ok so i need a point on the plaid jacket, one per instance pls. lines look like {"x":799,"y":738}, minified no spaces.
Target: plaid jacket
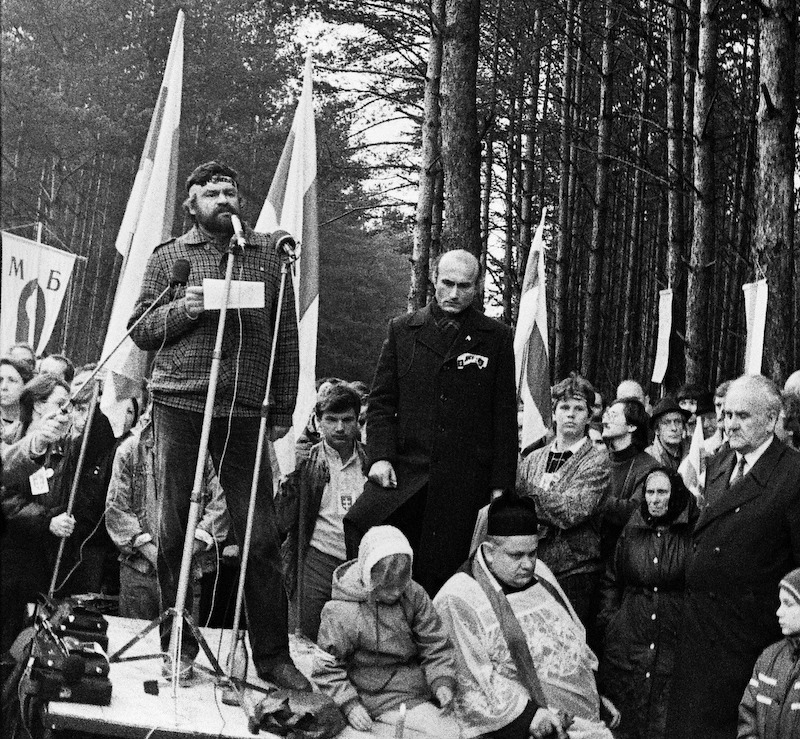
{"x":184,"y":347}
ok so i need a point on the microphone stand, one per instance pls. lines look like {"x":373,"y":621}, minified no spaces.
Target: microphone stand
{"x":288,"y":256}
{"x":89,"y":419}
{"x":179,"y":611}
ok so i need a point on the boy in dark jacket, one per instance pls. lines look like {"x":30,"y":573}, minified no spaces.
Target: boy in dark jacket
{"x":386,"y":643}
{"x":770,"y":707}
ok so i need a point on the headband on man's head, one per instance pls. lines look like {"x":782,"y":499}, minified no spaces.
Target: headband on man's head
{"x":512,"y":515}
{"x":213,"y":172}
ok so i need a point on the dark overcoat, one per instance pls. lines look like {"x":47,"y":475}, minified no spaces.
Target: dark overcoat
{"x":445,"y":416}
{"x":642,"y":609}
{"x":746,"y":539}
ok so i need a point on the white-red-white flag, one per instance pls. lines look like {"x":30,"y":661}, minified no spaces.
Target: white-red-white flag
{"x":147,"y":222}
{"x":693,"y":468}
{"x":291,"y":205}
{"x":531,"y":352}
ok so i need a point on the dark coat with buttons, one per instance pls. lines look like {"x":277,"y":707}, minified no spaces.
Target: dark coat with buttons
{"x":445,"y":417}
{"x":746,"y":539}
{"x":642,"y":607}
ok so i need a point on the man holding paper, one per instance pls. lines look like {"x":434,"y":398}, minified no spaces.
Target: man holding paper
{"x":182,"y":331}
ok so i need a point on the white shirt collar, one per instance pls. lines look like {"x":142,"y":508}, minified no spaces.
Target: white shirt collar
{"x":752,"y":457}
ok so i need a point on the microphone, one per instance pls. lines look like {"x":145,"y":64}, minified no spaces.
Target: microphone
{"x":180,"y":272}
{"x":238,"y":231}
{"x":284,"y":242}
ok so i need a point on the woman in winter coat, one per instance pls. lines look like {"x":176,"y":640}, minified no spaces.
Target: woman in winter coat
{"x":34,"y":510}
{"x":643,"y":595}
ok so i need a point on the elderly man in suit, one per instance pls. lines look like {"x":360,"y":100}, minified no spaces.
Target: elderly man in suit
{"x":441,"y":424}
{"x":746,"y":539}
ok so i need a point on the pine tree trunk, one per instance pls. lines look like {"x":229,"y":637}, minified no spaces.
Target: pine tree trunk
{"x":691,"y":39}
{"x":431,"y":124}
{"x":676,"y":270}
{"x":561,"y":291}
{"x":631,"y":307}
{"x":460,"y":144}
{"x":576,"y":194}
{"x":774,"y":237}
{"x":591,"y":322}
{"x":508,"y":257}
{"x":698,"y":357}
{"x":488,"y":159}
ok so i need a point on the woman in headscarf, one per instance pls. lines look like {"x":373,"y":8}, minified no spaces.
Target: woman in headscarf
{"x":643,"y":595}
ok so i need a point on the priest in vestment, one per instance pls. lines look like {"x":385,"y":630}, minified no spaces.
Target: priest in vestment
{"x":522,"y":662}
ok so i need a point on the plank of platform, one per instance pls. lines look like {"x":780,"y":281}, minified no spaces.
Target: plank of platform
{"x":197,"y":711}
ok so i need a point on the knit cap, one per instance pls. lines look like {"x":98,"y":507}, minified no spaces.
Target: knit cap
{"x":380,"y":542}
{"x":791,"y":584}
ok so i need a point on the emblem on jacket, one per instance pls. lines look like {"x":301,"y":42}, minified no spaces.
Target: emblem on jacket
{"x":467,"y":359}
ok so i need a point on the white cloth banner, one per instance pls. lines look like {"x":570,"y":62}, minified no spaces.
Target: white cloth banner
{"x":755,"y":310}
{"x":664,"y":331}
{"x":34,"y":282}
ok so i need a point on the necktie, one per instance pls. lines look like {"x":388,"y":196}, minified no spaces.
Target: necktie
{"x":738,"y":473}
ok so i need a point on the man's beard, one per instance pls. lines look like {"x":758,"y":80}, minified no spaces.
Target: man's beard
{"x":218,"y":223}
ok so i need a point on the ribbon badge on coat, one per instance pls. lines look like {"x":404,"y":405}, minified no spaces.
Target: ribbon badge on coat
{"x":467,"y":359}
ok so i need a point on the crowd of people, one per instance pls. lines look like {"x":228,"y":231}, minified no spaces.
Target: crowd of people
{"x":596,"y":584}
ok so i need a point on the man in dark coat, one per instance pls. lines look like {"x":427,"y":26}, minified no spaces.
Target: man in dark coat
{"x":746,"y":539}
{"x":441,"y":424}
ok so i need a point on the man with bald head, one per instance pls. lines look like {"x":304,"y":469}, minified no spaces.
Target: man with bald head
{"x":442,"y":424}
{"x":746,"y":539}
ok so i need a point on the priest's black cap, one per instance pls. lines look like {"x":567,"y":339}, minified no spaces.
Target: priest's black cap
{"x":512,"y":515}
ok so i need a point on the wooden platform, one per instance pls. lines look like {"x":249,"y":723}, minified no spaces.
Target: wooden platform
{"x":196,"y":711}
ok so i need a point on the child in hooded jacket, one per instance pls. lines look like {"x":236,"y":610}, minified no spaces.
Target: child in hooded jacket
{"x":386,"y":643}
{"x":770,"y":707}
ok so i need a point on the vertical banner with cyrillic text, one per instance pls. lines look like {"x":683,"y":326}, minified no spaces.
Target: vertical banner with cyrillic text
{"x":34,"y":282}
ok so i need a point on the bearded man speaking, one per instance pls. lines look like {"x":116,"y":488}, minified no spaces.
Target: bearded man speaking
{"x":182,"y":332}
